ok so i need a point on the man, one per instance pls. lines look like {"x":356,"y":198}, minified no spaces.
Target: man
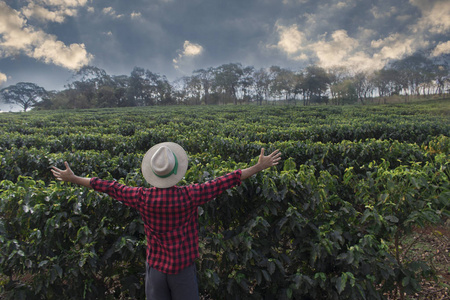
{"x":169,"y":213}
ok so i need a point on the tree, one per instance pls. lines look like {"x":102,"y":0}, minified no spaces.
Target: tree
{"x":442,"y":78}
{"x":262,"y":83}
{"x":363,"y":85}
{"x":137,"y":92}
{"x":147,"y":88}
{"x":283,"y":83}
{"x":24,"y":94}
{"x":246,"y":82}
{"x":121,"y":84}
{"x":87,"y":82}
{"x":299,"y":84}
{"x":337,"y":76}
{"x":316,"y":84}
{"x":206,"y":78}
{"x":227,"y":79}
{"x":106,"y":97}
{"x":192,"y":89}
{"x":158,"y":88}
{"x":93,"y":75}
{"x":387,"y":82}
{"x":345,"y":92}
{"x":415,"y":72}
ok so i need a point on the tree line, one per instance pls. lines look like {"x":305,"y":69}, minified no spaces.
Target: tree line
{"x":234,"y":83}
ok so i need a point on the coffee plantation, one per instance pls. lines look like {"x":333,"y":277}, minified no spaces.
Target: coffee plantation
{"x":327,"y":223}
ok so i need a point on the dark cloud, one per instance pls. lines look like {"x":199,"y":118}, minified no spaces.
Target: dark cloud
{"x":120,"y":35}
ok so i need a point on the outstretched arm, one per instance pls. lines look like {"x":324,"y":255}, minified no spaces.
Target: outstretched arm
{"x":69,"y":176}
{"x":264,"y":162}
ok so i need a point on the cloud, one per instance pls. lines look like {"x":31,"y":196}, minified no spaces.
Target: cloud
{"x":341,"y":4}
{"x":190,"y":50}
{"x":43,"y":14}
{"x":442,"y":48}
{"x":51,"y":51}
{"x":291,"y":40}
{"x":340,"y":49}
{"x":111,"y":12}
{"x":135,"y":15}
{"x":17,"y":37}
{"x":378,"y":12}
{"x":71,"y":3}
{"x":396,"y":31}
{"x":3,"y":78}
{"x":336,"y":51}
{"x":435,"y":15}
{"x":52,"y":10}
{"x":286,"y":2}
{"x":397,"y":46}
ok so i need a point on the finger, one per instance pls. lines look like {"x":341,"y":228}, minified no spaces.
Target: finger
{"x":262,"y":152}
{"x":55,"y":169}
{"x":67,"y":165}
{"x":276,"y":152}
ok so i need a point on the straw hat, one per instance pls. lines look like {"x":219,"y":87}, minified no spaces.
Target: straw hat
{"x":164,"y":164}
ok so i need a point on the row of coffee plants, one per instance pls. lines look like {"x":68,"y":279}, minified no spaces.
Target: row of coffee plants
{"x":327,"y":223}
{"x":116,"y":133}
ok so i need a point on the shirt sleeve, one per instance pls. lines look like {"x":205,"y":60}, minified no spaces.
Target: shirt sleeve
{"x":128,"y":195}
{"x":203,"y":192}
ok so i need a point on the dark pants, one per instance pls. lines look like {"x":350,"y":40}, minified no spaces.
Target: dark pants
{"x":181,"y":286}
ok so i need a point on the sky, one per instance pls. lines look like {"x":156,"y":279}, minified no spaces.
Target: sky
{"x":46,"y":41}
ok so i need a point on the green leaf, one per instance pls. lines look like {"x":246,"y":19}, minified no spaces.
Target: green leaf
{"x":289,"y":164}
{"x":271,"y":267}
{"x":43,"y":263}
{"x":59,"y":270}
{"x":341,"y":282}
{"x":266,"y":275}
{"x":392,"y":219}
{"x":405,"y":281}
{"x":289,"y":293}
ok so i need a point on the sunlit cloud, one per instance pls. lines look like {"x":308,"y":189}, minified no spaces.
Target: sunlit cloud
{"x":135,"y":15}
{"x":340,"y":49}
{"x":341,"y":4}
{"x":336,"y":50}
{"x":435,"y":16}
{"x":52,"y":10}
{"x":72,"y":57}
{"x":190,"y":50}
{"x":397,"y":46}
{"x":442,"y":48}
{"x":3,"y":78}
{"x":111,"y":12}
{"x":365,"y":49}
{"x":43,"y":14}
{"x":17,"y":37}
{"x":291,"y":39}
{"x":71,"y":3}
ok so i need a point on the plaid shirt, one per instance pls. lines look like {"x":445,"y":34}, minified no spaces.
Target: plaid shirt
{"x":170,"y":216}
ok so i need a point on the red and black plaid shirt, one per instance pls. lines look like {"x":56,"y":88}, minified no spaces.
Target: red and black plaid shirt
{"x":170,"y":216}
